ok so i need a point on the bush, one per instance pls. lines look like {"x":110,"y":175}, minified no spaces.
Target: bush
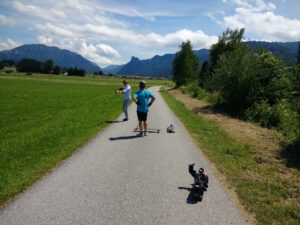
{"x":288,"y":120}
{"x":261,"y":113}
{"x":281,"y":115}
{"x":56,"y":70}
{"x":76,"y":72}
{"x":7,"y":70}
{"x":193,"y":89}
{"x":214,"y":97}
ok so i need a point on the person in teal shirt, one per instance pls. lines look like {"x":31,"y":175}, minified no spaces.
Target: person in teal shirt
{"x":141,"y":98}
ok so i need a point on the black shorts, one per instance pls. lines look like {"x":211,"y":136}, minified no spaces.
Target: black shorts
{"x":142,"y":116}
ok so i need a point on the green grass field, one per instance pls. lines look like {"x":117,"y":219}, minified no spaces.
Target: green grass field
{"x":263,"y":192}
{"x":45,"y":118}
{"x":101,"y":80}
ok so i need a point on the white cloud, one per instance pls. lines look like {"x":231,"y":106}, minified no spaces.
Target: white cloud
{"x":255,"y":5}
{"x":88,"y":26}
{"x":131,"y":11}
{"x":44,"y":40}
{"x":198,"y":39}
{"x":107,"y":50}
{"x":260,"y":19}
{"x":8,"y":44}
{"x":7,"y":21}
{"x":56,"y":29}
{"x":35,"y":11}
{"x":71,"y":35}
{"x":101,"y":54}
{"x":215,"y":16}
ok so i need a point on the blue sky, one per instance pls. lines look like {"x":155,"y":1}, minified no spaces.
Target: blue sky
{"x":111,"y":31}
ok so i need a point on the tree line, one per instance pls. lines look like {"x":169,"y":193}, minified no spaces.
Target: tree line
{"x":28,"y":65}
{"x":254,"y":85}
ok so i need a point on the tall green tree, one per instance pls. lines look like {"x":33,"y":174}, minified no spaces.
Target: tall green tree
{"x":185,"y":65}
{"x":48,"y":66}
{"x":244,"y":78}
{"x":56,"y":70}
{"x":204,"y":75}
{"x":8,"y":62}
{"x":298,"y":59}
{"x":30,"y":65}
{"x":228,"y":42}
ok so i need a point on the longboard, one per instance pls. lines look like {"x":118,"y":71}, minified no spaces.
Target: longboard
{"x":149,"y":130}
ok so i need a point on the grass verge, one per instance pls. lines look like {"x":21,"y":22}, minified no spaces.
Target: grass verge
{"x":262,"y":191}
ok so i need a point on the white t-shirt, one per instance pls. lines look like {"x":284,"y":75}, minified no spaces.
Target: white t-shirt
{"x":127,"y":92}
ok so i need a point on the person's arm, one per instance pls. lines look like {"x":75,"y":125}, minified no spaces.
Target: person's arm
{"x":152,"y":100}
{"x":191,"y":170}
{"x":121,"y":90}
{"x":136,"y":101}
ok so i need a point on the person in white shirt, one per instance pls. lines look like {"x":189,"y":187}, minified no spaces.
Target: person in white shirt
{"x":127,"y":98}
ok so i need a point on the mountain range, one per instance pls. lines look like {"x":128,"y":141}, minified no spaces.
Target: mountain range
{"x":157,"y":66}
{"x":61,"y":57}
{"x":162,"y":65}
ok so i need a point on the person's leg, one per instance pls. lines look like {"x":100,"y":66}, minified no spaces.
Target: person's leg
{"x":145,"y":123}
{"x":145,"y":128}
{"x":139,"y":115}
{"x":125,"y":106}
{"x":141,"y":126}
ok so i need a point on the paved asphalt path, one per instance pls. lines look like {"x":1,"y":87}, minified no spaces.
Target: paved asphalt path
{"x":118,"y":178}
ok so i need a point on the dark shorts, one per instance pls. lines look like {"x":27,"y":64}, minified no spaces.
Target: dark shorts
{"x":142,"y":116}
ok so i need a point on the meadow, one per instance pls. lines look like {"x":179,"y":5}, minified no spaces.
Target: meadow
{"x":45,"y":118}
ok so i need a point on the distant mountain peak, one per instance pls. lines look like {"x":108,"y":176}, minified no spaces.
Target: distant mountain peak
{"x":61,"y":57}
{"x":133,"y":58}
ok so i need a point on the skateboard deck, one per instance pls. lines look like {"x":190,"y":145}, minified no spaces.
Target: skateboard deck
{"x":149,"y":130}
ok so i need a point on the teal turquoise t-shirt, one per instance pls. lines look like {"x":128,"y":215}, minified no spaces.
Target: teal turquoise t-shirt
{"x":143,"y":97}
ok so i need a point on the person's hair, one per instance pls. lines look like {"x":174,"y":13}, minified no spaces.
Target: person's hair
{"x":125,"y":81}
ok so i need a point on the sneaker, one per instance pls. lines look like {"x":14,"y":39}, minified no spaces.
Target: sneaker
{"x":145,"y":133}
{"x":141,"y":134}
{"x":125,"y":119}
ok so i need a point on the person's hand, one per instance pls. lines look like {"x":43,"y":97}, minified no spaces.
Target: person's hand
{"x":149,"y":104}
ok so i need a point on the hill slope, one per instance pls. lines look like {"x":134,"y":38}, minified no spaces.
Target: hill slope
{"x":112,"y":69}
{"x":287,"y":50}
{"x":159,"y":66}
{"x":60,"y":57}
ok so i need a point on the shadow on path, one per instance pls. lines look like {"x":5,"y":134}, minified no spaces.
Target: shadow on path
{"x":190,"y":199}
{"x":123,"y":138}
{"x":113,"y":121}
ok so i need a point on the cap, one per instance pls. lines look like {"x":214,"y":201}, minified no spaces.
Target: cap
{"x":142,"y":83}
